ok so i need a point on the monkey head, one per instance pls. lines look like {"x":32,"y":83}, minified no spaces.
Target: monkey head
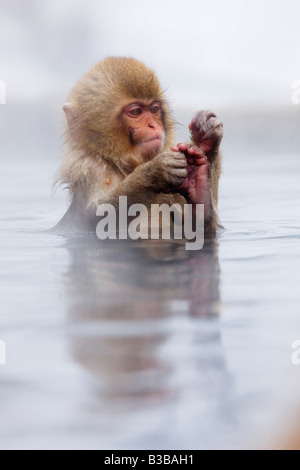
{"x":118,"y":111}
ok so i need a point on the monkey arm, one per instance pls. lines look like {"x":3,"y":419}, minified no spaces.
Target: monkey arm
{"x":137,"y":187}
{"x":147,"y":183}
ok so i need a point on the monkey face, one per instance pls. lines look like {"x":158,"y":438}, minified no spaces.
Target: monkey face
{"x":144,"y":123}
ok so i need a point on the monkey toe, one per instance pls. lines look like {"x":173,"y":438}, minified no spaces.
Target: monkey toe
{"x":207,"y":130}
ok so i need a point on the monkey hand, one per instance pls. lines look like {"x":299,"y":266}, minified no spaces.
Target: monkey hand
{"x":166,"y":172}
{"x":207,"y":132}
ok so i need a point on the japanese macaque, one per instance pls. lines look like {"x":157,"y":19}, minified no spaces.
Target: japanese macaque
{"x":120,"y":137}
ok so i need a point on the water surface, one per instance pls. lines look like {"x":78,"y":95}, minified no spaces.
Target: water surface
{"x":145,"y":345}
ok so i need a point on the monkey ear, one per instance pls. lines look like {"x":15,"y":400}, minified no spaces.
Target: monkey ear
{"x":71,"y":115}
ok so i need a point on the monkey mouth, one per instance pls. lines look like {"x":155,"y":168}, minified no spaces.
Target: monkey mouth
{"x":151,"y":147}
{"x":152,"y":139}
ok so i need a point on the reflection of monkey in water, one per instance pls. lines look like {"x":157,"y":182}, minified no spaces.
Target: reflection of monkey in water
{"x":120,"y":137}
{"x":125,"y":297}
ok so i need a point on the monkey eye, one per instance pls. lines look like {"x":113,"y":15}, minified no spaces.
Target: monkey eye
{"x":155,"y":109}
{"x":135,"y":112}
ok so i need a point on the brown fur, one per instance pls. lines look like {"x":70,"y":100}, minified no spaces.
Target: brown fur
{"x":100,"y":162}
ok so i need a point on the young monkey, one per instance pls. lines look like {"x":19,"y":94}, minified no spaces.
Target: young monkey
{"x":120,"y":138}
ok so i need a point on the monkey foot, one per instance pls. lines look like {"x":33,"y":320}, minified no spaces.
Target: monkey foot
{"x":207,"y":131}
{"x":196,"y":187}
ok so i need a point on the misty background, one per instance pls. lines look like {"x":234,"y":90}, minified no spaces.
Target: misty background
{"x":237,"y":57}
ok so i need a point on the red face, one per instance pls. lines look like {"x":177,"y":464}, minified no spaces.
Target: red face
{"x":146,"y":130}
